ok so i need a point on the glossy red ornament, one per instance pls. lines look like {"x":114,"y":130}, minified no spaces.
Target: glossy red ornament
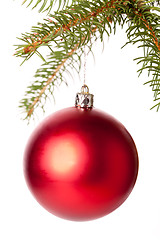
{"x":81,"y":164}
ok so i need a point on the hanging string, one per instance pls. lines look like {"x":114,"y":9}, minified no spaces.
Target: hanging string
{"x":85,"y":60}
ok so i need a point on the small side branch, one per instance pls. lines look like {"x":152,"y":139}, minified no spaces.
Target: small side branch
{"x":50,"y":79}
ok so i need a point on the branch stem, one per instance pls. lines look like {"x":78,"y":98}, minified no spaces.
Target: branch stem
{"x":67,"y":27}
{"x":137,"y":12}
{"x":50,"y":79}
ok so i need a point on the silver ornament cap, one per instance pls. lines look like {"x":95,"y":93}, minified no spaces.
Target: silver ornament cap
{"x":84,"y":99}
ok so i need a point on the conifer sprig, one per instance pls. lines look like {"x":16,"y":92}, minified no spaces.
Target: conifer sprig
{"x":66,"y":32}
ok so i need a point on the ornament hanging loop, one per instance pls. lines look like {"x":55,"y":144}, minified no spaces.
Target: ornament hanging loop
{"x":85,"y":60}
{"x":84,"y":99}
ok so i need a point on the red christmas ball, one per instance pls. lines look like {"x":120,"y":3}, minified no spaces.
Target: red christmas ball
{"x":81,"y":164}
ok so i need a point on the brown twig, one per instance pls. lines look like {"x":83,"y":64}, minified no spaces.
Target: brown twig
{"x":67,"y":28}
{"x":152,"y":33}
{"x":31,"y":107}
{"x":50,"y":79}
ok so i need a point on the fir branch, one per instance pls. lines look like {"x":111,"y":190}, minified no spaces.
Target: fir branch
{"x":68,"y":30}
{"x":50,"y":79}
{"x":30,"y":107}
{"x":146,"y":35}
{"x":83,"y":35}
{"x":59,"y":23}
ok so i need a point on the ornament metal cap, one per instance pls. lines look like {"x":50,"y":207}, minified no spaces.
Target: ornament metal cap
{"x":84,"y":99}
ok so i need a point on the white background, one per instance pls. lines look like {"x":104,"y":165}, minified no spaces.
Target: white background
{"x":114,"y":81}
